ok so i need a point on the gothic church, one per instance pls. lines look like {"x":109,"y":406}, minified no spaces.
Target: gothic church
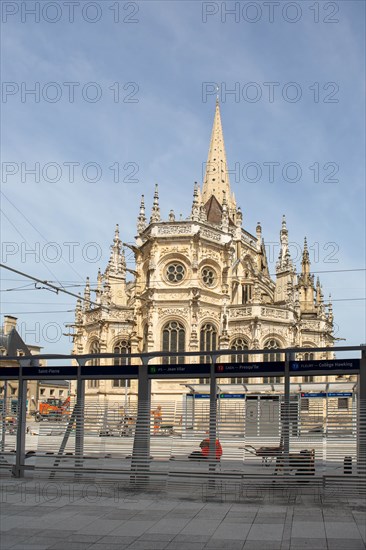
{"x":200,"y":283}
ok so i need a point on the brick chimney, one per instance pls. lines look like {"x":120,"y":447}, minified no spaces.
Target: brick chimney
{"x":10,"y":322}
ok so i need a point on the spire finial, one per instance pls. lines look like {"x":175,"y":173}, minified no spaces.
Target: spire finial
{"x":195,"y":211}
{"x":155,"y":213}
{"x":116,"y":234}
{"x":116,"y":260}
{"x":305,"y":255}
{"x":284,"y":262}
{"x":87,"y":294}
{"x":141,"y":220}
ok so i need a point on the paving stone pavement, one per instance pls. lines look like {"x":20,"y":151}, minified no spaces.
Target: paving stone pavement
{"x":59,"y":516}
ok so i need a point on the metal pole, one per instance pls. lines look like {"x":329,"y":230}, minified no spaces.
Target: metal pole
{"x":126,"y":396}
{"x":79,"y":417}
{"x":213,"y":415}
{"x":141,"y":444}
{"x":285,"y":436}
{"x":361,"y":417}
{"x":3,"y":412}
{"x":18,"y":468}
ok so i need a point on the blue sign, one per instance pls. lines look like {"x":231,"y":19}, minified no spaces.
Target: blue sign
{"x":321,"y":394}
{"x":340,"y":394}
{"x":179,"y":371}
{"x":235,"y":369}
{"x":325,"y":365}
{"x":201,"y":396}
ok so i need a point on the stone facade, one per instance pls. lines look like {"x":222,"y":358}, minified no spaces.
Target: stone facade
{"x":200,"y":283}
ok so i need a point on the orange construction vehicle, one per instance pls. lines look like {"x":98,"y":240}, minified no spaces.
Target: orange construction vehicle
{"x":53,"y":409}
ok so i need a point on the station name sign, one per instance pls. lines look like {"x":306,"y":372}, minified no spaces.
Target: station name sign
{"x":220,"y":395}
{"x":195,"y":370}
{"x":330,"y":394}
{"x":50,"y":372}
{"x":179,"y":371}
{"x":235,"y":369}
{"x":297,"y":367}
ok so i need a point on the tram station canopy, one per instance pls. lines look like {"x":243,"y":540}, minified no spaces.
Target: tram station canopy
{"x":268,"y":388}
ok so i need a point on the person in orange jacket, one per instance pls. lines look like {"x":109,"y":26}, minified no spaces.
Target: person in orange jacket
{"x":205,"y":448}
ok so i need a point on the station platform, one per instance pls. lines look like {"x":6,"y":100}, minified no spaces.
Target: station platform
{"x":41,"y":514}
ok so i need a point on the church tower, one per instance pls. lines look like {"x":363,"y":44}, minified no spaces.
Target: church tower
{"x":199,"y":284}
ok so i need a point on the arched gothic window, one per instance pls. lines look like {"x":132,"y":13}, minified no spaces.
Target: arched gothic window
{"x":272,"y":345}
{"x":240,"y":344}
{"x":122,"y":346}
{"x":174,"y":337}
{"x":308,"y":356}
{"x":95,"y":361}
{"x":208,"y":340}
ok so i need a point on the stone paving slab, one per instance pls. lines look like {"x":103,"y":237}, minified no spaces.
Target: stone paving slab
{"x":153,"y":522}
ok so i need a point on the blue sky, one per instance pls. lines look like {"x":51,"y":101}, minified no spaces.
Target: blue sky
{"x":164,"y":60}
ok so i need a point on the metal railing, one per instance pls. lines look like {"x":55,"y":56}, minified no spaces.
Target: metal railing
{"x":273,"y":443}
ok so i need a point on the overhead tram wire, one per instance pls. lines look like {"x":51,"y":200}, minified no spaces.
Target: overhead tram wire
{"x":78,"y":296}
{"x":39,"y":233}
{"x":112,"y":283}
{"x":25,"y":240}
{"x":57,"y":289}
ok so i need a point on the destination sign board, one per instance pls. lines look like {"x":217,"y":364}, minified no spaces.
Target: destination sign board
{"x":340,"y":394}
{"x":110,"y":371}
{"x":325,"y":365}
{"x":9,"y":372}
{"x":330,"y":394}
{"x":235,"y":369}
{"x":179,"y":371}
{"x":62,"y":373}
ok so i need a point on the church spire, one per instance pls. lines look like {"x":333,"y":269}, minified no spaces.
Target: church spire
{"x":305,"y":259}
{"x":141,"y":220}
{"x":284,"y":262}
{"x":195,"y":212}
{"x":216,"y":180}
{"x":117,"y":262}
{"x":87,"y":295}
{"x":155,"y":213}
{"x":306,"y":283}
